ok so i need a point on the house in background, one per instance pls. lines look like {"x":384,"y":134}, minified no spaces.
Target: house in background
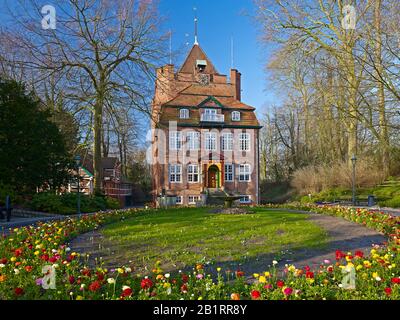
{"x":205,"y":139}
{"x":114,"y":184}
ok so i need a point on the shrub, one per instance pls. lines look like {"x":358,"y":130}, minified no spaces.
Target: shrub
{"x":6,"y":190}
{"x":112,"y":203}
{"x":317,"y":178}
{"x":67,"y":203}
{"x":392,"y":203}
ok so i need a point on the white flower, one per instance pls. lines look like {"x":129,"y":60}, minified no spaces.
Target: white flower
{"x":111,"y":280}
{"x":167,"y":275}
{"x":83,"y":285}
{"x":274,"y":262}
{"x":2,"y":265}
{"x":128,"y":269}
{"x":67,"y":249}
{"x":16,"y":271}
{"x":169,"y":290}
{"x":378,"y":278}
{"x":125,"y":288}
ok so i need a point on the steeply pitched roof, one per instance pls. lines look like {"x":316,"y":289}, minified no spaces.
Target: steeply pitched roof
{"x":196,"y":53}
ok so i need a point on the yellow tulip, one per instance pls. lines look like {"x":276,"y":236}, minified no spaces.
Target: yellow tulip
{"x":262,"y":279}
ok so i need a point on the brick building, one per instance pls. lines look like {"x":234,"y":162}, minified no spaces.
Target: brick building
{"x":114,"y":184}
{"x":205,"y":139}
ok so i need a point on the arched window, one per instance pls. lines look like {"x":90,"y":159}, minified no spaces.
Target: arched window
{"x":235,"y":116}
{"x":184,"y":114}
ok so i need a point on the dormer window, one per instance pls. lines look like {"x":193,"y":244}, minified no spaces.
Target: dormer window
{"x":201,"y":65}
{"x":235,"y":116}
{"x":184,"y":114}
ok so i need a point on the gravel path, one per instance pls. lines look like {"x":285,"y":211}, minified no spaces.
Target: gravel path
{"x":342,"y":235}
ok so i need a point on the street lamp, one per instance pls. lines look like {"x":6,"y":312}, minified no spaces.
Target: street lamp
{"x":353,"y":161}
{"x":78,"y":164}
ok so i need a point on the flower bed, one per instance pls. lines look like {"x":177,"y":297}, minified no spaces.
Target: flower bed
{"x":25,"y":252}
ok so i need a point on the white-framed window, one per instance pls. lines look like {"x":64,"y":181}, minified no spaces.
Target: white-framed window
{"x":244,"y":141}
{"x":175,"y":173}
{"x":245,"y":199}
{"x":193,"y":173}
{"x":227,"y":142}
{"x":229,"y":172}
{"x":193,"y":199}
{"x":244,"y":172}
{"x":178,"y":199}
{"x":184,"y":113}
{"x":235,"y":116}
{"x":193,"y":140}
{"x":210,"y":112}
{"x":210,"y":141}
{"x":175,"y":140}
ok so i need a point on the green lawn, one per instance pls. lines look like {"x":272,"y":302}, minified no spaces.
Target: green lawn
{"x":182,"y":237}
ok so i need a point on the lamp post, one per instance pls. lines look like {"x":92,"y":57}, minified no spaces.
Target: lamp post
{"x":353,"y":161}
{"x":78,"y":165}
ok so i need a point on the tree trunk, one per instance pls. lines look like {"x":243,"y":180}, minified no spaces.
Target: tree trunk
{"x":384,"y":136}
{"x":97,"y":137}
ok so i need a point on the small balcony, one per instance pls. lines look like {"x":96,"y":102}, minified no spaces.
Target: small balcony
{"x":212,"y":117}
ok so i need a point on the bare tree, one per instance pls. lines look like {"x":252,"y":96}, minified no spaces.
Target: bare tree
{"x":105,"y":50}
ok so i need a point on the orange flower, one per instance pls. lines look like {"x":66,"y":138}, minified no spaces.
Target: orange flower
{"x":28,"y":268}
{"x":235,"y":296}
{"x":199,"y":266}
{"x":2,"y":278}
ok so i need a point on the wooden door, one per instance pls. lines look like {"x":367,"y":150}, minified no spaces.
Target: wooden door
{"x":212,"y":179}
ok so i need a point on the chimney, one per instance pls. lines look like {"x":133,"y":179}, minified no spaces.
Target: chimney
{"x":236,"y":82}
{"x":164,"y":83}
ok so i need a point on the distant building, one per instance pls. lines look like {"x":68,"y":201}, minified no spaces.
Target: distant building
{"x":205,"y":139}
{"x":114,"y":184}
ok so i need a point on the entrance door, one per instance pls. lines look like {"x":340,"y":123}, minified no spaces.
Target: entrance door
{"x":213,"y":177}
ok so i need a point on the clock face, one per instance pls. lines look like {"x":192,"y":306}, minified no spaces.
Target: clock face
{"x":203,"y":79}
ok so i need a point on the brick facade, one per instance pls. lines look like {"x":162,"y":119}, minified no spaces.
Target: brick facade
{"x":195,"y":111}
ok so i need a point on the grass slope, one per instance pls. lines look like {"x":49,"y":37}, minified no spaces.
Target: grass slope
{"x":183,"y":237}
{"x":387,"y":194}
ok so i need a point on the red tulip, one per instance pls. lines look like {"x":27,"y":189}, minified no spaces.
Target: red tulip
{"x":19,"y":291}
{"x":126,"y":292}
{"x":255,"y":294}
{"x":388,"y":291}
{"x":28,"y":268}
{"x":184,"y":288}
{"x":359,"y":254}
{"x":146,"y":284}
{"x":94,"y":286}
{"x":185,"y":278}
{"x":280,"y":283}
{"x":288,"y":291}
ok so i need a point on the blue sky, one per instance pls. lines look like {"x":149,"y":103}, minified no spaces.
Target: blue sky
{"x":219,"y":20}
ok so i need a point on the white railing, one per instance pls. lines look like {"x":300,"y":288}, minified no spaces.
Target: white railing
{"x":212,"y":117}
